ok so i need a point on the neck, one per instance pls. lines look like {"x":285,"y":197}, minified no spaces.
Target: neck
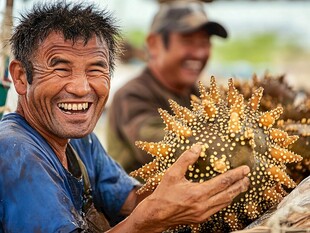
{"x":179,"y":90}
{"x":60,"y":151}
{"x":58,"y":145}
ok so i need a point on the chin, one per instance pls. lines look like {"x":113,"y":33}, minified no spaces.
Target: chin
{"x":77,"y":133}
{"x":190,"y":84}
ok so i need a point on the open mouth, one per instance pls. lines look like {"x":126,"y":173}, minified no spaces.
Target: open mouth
{"x":71,"y":108}
{"x":194,"y":66}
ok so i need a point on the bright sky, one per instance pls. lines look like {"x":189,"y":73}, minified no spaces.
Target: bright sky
{"x":240,"y":17}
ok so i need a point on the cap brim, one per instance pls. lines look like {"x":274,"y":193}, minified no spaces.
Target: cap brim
{"x":211,"y":27}
{"x":214,"y":28}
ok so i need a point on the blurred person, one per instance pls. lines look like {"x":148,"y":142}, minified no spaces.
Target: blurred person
{"x":55,"y":175}
{"x":179,"y":46}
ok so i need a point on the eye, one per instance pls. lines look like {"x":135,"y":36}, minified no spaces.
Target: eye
{"x":95,"y":71}
{"x":60,"y":65}
{"x":62,"y":71}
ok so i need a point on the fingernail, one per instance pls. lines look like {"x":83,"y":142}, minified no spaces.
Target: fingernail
{"x":196,"y":148}
{"x":246,"y":181}
{"x":246,"y":170}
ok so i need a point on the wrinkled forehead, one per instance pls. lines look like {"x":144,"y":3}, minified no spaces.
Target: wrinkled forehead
{"x":58,"y":38}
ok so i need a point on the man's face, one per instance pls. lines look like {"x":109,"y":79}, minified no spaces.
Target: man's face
{"x":185,"y":57}
{"x":70,"y":86}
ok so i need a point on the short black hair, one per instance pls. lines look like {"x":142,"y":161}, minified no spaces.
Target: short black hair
{"x":74,"y":21}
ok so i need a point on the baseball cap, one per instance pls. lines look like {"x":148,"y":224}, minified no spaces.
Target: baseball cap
{"x":185,"y":17}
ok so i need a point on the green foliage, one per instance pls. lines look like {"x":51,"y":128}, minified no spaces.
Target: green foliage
{"x":256,"y":48}
{"x":135,"y":37}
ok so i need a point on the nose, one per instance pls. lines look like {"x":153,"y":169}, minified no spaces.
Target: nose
{"x":78,"y":85}
{"x":201,"y":51}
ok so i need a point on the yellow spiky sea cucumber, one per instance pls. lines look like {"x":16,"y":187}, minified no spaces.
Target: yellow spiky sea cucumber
{"x":233,"y":133}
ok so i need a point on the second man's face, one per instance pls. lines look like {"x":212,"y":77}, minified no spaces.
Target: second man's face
{"x":185,"y":57}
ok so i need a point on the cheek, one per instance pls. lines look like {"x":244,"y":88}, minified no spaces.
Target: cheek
{"x":43,"y":90}
{"x":48,"y":81}
{"x":176,"y":55}
{"x":101,"y":87}
{"x":38,"y":102}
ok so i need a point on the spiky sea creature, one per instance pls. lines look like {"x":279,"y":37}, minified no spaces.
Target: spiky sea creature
{"x":233,"y":133}
{"x":296,"y":115}
{"x":300,"y":170}
{"x":278,"y":92}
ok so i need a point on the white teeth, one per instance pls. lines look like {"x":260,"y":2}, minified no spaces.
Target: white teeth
{"x":74,"y":107}
{"x":194,"y":65}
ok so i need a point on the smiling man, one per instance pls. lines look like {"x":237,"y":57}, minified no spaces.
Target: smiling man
{"x":77,"y":88}
{"x":179,"y":47}
{"x":55,"y":175}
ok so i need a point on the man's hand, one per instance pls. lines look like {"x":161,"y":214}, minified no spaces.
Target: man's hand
{"x":178,"y":201}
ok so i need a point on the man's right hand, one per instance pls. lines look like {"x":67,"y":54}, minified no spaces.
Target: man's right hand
{"x":178,"y":201}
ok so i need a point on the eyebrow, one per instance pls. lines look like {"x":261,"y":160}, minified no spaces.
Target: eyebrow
{"x":101,"y":64}
{"x":55,"y":61}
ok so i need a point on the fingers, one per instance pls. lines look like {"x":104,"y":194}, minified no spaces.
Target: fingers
{"x":188,"y":158}
{"x":237,"y":188}
{"x":224,"y":181}
{"x":222,"y":199}
{"x":226,"y":196}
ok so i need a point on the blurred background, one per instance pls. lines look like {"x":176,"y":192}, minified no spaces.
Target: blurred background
{"x":264,"y":36}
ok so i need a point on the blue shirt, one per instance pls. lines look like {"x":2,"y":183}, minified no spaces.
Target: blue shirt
{"x":37,"y":194}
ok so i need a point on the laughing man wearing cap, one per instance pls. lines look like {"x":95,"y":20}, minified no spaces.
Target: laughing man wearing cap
{"x":179,"y":47}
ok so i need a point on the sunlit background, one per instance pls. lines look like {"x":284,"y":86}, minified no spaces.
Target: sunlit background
{"x":264,"y":36}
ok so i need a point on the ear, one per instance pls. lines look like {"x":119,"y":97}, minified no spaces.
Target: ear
{"x":154,"y":44}
{"x":19,"y":77}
